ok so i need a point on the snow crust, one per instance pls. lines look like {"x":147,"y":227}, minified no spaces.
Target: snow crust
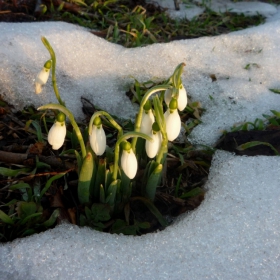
{"x":192,"y":9}
{"x":234,"y":234}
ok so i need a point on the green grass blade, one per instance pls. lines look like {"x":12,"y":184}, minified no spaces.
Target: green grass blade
{"x":256,"y":143}
{"x":5,"y":218}
{"x":153,"y":210}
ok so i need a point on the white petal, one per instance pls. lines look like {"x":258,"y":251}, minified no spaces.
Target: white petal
{"x":41,"y":79}
{"x":152,"y":148}
{"x":98,"y":140}
{"x":173,"y":124}
{"x":168,"y":96}
{"x":147,"y":121}
{"x":57,"y":135}
{"x":129,"y":163}
{"x":182,"y":99}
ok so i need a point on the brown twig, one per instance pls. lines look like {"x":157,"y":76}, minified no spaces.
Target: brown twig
{"x":29,"y":159}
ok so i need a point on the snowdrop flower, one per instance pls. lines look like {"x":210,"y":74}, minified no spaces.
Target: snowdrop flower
{"x":172,"y":121}
{"x":128,"y":161}
{"x":152,"y":148}
{"x":57,"y":132}
{"x":97,"y":137}
{"x":182,"y":97}
{"x":147,"y":119}
{"x":42,"y":77}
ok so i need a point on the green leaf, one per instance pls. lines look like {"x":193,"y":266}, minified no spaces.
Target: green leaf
{"x":256,"y":143}
{"x":20,"y":185}
{"x":38,"y":130}
{"x":25,"y":209}
{"x":85,"y":179}
{"x":100,"y":177}
{"x":111,"y":192}
{"x":49,"y":182}
{"x":5,"y":218}
{"x":120,"y":226}
{"x":26,"y":219}
{"x":153,"y":210}
{"x":275,"y":90}
{"x":100,"y":212}
{"x":79,"y":160}
{"x":192,"y":193}
{"x":52,"y":219}
{"x":152,"y":182}
{"x":7,"y":172}
{"x":276,"y":113}
{"x":88,"y":213}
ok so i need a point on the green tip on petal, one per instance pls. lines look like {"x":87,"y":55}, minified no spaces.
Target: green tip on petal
{"x":173,"y":105}
{"x":60,"y":117}
{"x":48,"y":64}
{"x":155,"y":127}
{"x":126,"y":146}
{"x":148,"y":105}
{"x":97,"y":121}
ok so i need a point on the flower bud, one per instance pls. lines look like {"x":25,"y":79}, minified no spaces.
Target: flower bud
{"x":97,"y":137}
{"x":182,"y":97}
{"x":57,"y":135}
{"x":147,"y":121}
{"x":42,"y":77}
{"x":173,"y":123}
{"x":152,"y":147}
{"x":128,"y":161}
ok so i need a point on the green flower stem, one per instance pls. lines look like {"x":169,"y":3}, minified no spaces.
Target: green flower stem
{"x":72,"y":121}
{"x":111,"y":120}
{"x":176,"y":77}
{"x":53,"y":58}
{"x":161,"y":123}
{"x":117,"y":148}
{"x":141,"y":109}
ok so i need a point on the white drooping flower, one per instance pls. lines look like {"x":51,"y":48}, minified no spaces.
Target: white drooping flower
{"x":147,"y":121}
{"x":129,"y":163}
{"x":42,"y":77}
{"x":182,"y":97}
{"x":57,"y":135}
{"x":153,"y":147}
{"x":172,"y":120}
{"x":97,"y":140}
{"x":168,"y":96}
{"x":147,"y":118}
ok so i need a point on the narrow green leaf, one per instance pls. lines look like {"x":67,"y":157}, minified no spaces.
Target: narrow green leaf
{"x":152,"y":182}
{"x":7,"y":172}
{"x":100,"y":212}
{"x":192,"y":193}
{"x":52,"y":219}
{"x":49,"y":182}
{"x":275,"y":90}
{"x":38,"y":130}
{"x":85,"y":179}
{"x":111,"y":192}
{"x":276,"y":113}
{"x":256,"y":143}
{"x":100,"y":177}
{"x":79,"y":160}
{"x":25,"y":209}
{"x":26,"y":219}
{"x":5,"y":218}
{"x":153,"y":210}
{"x":20,"y":185}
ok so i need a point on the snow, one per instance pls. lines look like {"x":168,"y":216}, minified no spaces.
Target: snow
{"x":234,"y":234}
{"x":192,"y":9}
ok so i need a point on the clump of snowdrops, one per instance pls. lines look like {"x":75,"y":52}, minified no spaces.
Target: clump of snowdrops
{"x":110,"y":183}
